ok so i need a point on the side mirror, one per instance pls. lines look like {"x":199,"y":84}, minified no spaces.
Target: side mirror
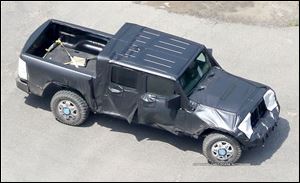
{"x":209,"y":50}
{"x":174,"y":102}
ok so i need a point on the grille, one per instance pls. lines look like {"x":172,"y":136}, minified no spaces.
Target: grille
{"x":258,"y":113}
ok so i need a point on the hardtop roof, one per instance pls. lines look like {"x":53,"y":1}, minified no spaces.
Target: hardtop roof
{"x":151,"y":51}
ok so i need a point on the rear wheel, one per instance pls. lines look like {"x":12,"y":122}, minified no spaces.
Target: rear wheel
{"x":221,"y":149}
{"x":69,"y":108}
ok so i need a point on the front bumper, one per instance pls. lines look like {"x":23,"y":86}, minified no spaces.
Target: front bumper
{"x":262,"y":129}
{"x":22,"y":85}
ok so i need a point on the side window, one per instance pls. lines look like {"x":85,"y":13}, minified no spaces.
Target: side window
{"x":124,"y":77}
{"x":204,"y":63}
{"x":201,"y":57}
{"x":160,"y":86}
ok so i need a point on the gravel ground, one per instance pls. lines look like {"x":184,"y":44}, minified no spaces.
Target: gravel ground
{"x":264,"y":13}
{"x":34,"y":147}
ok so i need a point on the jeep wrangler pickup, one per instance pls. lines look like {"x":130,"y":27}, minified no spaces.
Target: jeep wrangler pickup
{"x":147,"y":77}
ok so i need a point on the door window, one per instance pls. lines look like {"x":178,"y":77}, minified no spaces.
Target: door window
{"x":160,"y":86}
{"x":124,"y":77}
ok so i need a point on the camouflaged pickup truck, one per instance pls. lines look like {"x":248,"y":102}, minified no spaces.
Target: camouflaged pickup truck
{"x":147,"y":77}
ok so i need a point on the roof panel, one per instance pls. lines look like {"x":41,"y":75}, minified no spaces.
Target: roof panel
{"x":151,"y":50}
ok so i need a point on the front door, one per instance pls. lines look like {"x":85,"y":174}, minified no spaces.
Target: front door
{"x":153,"y":104}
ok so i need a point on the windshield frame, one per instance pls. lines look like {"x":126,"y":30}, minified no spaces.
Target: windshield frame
{"x":208,"y":58}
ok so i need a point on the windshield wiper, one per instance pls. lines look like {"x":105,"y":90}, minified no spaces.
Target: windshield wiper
{"x":202,"y":87}
{"x":211,"y":74}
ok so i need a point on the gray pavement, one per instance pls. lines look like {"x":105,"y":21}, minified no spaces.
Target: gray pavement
{"x":35,"y":147}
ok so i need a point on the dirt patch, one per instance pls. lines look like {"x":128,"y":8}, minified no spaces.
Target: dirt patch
{"x":268,"y":13}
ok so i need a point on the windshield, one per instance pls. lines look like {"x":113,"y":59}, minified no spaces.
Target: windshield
{"x":194,"y":73}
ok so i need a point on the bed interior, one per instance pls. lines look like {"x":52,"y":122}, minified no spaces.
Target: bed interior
{"x":77,"y":42}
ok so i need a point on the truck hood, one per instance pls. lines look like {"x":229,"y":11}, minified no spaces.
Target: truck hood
{"x":224,"y":91}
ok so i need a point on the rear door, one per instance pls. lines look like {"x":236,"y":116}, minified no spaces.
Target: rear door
{"x":122,"y":92}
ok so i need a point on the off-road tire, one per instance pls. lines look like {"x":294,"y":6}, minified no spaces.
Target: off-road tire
{"x":211,"y":139}
{"x":77,"y":100}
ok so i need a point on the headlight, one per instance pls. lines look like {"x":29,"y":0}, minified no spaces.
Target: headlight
{"x":22,"y":70}
{"x":245,"y":126}
{"x":270,"y":100}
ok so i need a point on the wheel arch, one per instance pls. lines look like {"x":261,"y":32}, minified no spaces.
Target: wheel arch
{"x":53,"y":87}
{"x":208,"y":131}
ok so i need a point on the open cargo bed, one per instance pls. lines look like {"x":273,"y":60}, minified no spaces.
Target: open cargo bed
{"x":78,"y":41}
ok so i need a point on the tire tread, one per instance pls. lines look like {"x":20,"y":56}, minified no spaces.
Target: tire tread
{"x":82,"y":105}
{"x":213,"y":137}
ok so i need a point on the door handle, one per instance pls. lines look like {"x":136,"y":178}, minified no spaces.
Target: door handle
{"x":114,"y":90}
{"x":149,"y":98}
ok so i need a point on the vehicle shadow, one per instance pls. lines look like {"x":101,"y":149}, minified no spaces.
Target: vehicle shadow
{"x":38,"y":102}
{"x":255,"y":156}
{"x":142,"y":132}
{"x":258,"y":155}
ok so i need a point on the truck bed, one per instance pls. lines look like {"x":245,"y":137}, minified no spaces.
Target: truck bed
{"x":78,"y":41}
{"x":59,"y":56}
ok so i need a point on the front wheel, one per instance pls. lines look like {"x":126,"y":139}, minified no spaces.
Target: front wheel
{"x":69,"y":108}
{"x":221,"y":149}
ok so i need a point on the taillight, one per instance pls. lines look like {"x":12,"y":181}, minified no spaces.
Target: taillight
{"x":22,"y":70}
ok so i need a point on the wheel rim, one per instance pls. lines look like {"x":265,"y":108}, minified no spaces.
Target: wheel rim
{"x":68,"y":110}
{"x":222,"y":150}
